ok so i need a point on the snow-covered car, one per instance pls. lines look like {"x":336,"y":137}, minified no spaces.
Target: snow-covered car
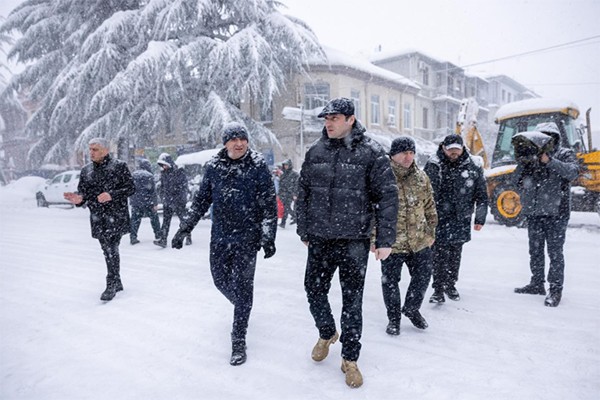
{"x":52,"y":192}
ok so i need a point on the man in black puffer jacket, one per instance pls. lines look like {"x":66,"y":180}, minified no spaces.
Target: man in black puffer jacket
{"x":458,"y":186}
{"x":346,"y":187}
{"x":144,"y":201}
{"x":238,"y":184}
{"x":104,"y":186}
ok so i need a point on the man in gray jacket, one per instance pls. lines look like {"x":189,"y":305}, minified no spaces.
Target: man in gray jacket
{"x":546,"y":200}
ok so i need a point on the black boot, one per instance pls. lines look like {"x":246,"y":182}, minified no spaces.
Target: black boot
{"x":393,"y":328}
{"x":437,"y":296}
{"x":134,"y":240}
{"x":238,"y":352}
{"x":188,"y":240}
{"x":416,"y":318}
{"x":161,"y":243}
{"x":532,"y":288}
{"x":109,"y":293}
{"x":553,"y":298}
{"x":452,"y":293}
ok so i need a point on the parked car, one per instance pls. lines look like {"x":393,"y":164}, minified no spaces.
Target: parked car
{"x":52,"y":192}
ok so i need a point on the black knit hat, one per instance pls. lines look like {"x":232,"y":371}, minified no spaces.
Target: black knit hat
{"x":234,"y":130}
{"x":341,"y":105}
{"x":403,"y":143}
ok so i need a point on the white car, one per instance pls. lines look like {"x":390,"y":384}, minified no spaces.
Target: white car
{"x":52,"y":192}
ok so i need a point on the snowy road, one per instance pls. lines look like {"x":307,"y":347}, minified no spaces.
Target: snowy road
{"x":166,"y":336}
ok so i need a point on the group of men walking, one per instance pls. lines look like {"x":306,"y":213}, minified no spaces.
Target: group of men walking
{"x":352,"y":197}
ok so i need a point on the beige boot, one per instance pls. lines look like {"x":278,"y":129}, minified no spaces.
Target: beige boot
{"x":321,"y":349}
{"x":354,"y":378}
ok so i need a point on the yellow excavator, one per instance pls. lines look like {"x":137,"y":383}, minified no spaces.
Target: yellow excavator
{"x":523,"y":116}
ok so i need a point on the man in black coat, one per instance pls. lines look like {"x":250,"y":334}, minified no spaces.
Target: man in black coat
{"x":288,"y":191}
{"x":104,"y":186}
{"x":173,"y":192}
{"x":144,"y":201}
{"x":458,"y":187}
{"x":346,"y":187}
{"x":545,"y":184}
{"x":238,"y":184}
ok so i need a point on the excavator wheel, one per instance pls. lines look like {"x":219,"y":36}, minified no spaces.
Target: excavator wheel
{"x":506,"y":205}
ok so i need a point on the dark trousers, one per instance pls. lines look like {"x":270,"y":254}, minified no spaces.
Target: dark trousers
{"x":287,"y":209}
{"x":350,"y":257}
{"x":419,"y":268}
{"x":168,"y":212}
{"x":137,"y":213}
{"x":110,"y":248}
{"x":232,"y":267}
{"x":551,"y":232}
{"x":446,"y":264}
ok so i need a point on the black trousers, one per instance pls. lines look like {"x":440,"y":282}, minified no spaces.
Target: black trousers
{"x":419,"y":267}
{"x":137,"y":213}
{"x":550,"y":232}
{"x":446,"y":264}
{"x":232,"y":267}
{"x":168,"y":212}
{"x":110,"y":248}
{"x":324,"y":258}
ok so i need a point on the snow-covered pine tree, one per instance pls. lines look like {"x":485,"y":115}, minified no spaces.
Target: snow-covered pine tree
{"x":126,"y":69}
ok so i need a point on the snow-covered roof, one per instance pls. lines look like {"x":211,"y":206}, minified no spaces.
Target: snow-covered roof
{"x":199,"y":157}
{"x":389,"y":54}
{"x":359,"y":63}
{"x":537,"y":106}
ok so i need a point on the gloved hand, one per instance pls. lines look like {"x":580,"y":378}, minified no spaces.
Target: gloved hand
{"x":177,"y":241}
{"x":269,"y":249}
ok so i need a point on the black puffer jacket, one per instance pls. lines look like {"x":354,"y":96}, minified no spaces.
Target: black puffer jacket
{"x":458,"y":187}
{"x":546,"y":189}
{"x":109,"y":220}
{"x":145,"y":188}
{"x":346,"y":185}
{"x":243,"y":197}
{"x":173,"y":185}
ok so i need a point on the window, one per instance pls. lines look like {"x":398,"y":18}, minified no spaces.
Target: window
{"x":315,"y":95}
{"x":375,"y":112}
{"x":355,"y":96}
{"x":503,"y":95}
{"x":425,"y":117}
{"x":426,"y":76}
{"x":407,"y":116}
{"x":509,"y":97}
{"x":391,"y":113}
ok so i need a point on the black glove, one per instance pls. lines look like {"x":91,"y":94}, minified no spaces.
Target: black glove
{"x":269,"y":249}
{"x":177,"y":242}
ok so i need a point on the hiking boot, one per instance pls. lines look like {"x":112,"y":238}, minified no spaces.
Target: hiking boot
{"x":416,"y":318}
{"x":532,"y":288}
{"x":188,"y":240}
{"x":393,"y":328}
{"x":161,"y":243}
{"x":321,"y":349}
{"x":452,"y":293}
{"x":437,"y":296}
{"x":109,"y":293}
{"x":553,"y":298}
{"x":354,"y":378}
{"x":134,"y":241}
{"x":238,"y":352}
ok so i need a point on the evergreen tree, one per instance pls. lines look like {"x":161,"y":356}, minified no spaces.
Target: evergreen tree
{"x":134,"y":69}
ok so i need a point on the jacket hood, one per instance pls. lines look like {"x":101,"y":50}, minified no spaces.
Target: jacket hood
{"x":144,"y":164}
{"x":166,"y":159}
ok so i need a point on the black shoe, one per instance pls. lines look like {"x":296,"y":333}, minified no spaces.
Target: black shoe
{"x":553,"y":298}
{"x":417,"y":319}
{"x":282,"y":225}
{"x":452,"y":293}
{"x":238,"y":352}
{"x":188,"y":240}
{"x":109,"y":293}
{"x":118,"y":286}
{"x":437,"y":296}
{"x":161,"y":243}
{"x":393,"y":329}
{"x":134,"y":241}
{"x":293,"y":222}
{"x":532,"y":288}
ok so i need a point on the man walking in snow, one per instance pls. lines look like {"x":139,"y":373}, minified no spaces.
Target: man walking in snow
{"x":458,"y":187}
{"x":415,"y":233}
{"x":288,"y":191}
{"x":239,"y":186}
{"x":104,"y":186}
{"x":545,"y":186}
{"x":346,"y":185}
{"x":144,"y":201}
{"x":173,"y":192}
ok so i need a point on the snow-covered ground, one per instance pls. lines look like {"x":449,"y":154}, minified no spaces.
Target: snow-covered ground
{"x":166,"y":336}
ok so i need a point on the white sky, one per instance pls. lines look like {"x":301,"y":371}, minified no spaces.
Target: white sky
{"x":471,"y":31}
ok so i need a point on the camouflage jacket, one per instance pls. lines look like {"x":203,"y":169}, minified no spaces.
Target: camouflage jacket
{"x":417,"y":217}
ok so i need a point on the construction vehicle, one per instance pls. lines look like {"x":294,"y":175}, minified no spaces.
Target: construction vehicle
{"x":466,"y":126}
{"x":523,"y":116}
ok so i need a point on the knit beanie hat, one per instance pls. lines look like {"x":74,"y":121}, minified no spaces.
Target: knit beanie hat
{"x":403,"y":143}
{"x":234,"y":130}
